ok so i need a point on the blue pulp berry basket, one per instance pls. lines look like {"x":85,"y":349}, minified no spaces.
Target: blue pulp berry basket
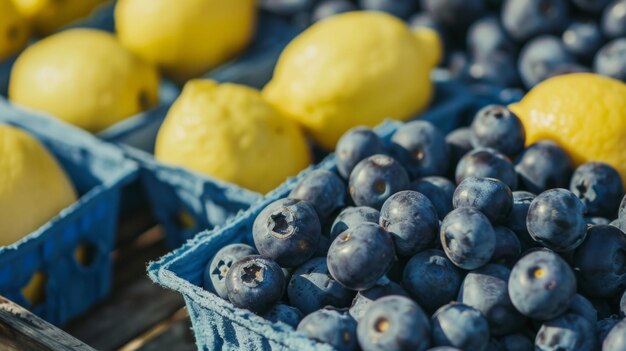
{"x":98,"y":172}
{"x":217,"y":324}
{"x":183,"y":201}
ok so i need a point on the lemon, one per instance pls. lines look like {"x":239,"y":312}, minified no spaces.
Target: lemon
{"x":85,"y":77}
{"x":188,"y":37}
{"x":14,"y":30}
{"x":229,"y":132}
{"x":33,"y":190}
{"x":356,"y":68}
{"x":583,"y":112}
{"x":46,"y":16}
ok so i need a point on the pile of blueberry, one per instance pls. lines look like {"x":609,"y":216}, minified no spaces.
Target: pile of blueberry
{"x":436,"y":242}
{"x":509,"y":43}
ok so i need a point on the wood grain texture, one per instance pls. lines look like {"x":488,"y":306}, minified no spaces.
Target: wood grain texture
{"x":22,"y":330}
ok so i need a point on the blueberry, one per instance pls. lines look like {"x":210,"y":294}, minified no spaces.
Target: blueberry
{"x":604,"y":326}
{"x":431,"y":279}
{"x":394,"y":323}
{"x":622,"y":208}
{"x":286,"y":7}
{"x":460,"y":326}
{"x":525,"y":19}
{"x":424,"y":20}
{"x":351,"y":216}
{"x":568,"y":332}
{"x":486,"y":38}
{"x":599,"y":187}
{"x":360,"y":256}
{"x":486,"y":163}
{"x":566,"y":68}
{"x":488,"y":195}
{"x":421,"y":148}
{"x":556,"y":220}
{"x":497,"y":69}
{"x":583,"y":39}
{"x":460,"y":143}
{"x":540,"y":57}
{"x":215,"y":272}
{"x":596,"y":220}
{"x":614,"y":19}
{"x":330,"y":8}
{"x":593,"y":6}
{"x":334,"y":327}
{"x":438,"y":190}
{"x":364,"y":299}
{"x":611,"y":59}
{"x":398,"y":8}
{"x":444,"y":348}
{"x":496,"y":127}
{"x":412,"y":221}
{"x":622,"y":305}
{"x":375,"y":179}
{"x":287,"y":231}
{"x":323,"y":189}
{"x":584,"y":308}
{"x":486,"y":289}
{"x":517,"y":217}
{"x":285,"y":314}
{"x":255,"y":283}
{"x":542,"y":285}
{"x":544,"y":165}
{"x":467,"y":238}
{"x":456,"y":14}
{"x":517,"y":342}
{"x":603,"y":307}
{"x":311,"y":287}
{"x":600,"y":261}
{"x":354,"y":146}
{"x":508,"y":246}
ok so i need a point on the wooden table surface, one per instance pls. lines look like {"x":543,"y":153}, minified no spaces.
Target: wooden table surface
{"x":138,"y":315}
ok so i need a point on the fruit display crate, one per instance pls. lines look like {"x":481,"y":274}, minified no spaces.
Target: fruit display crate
{"x":217,"y":324}
{"x":98,"y":172}
{"x":185,"y":202}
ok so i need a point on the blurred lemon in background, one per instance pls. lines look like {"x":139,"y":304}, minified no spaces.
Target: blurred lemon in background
{"x":229,"y":132}
{"x":186,"y":37}
{"x":356,"y":68}
{"x":14,"y":30}
{"x":46,"y":16}
{"x":85,"y":77}
{"x":585,"y":113}
{"x":33,"y":189}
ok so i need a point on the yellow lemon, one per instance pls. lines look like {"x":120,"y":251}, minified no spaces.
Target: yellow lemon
{"x":14,"y":30}
{"x":33,"y":189}
{"x":85,"y":77}
{"x":583,"y":112}
{"x":186,"y":37}
{"x":229,"y":132}
{"x":356,"y":68}
{"x":46,"y":16}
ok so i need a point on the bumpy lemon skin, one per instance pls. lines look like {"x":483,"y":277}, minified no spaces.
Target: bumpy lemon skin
{"x":46,"y":16}
{"x":84,"y":77}
{"x":356,"y":68}
{"x":229,"y":132}
{"x":186,"y":38}
{"x":583,"y":112}
{"x":14,"y":30}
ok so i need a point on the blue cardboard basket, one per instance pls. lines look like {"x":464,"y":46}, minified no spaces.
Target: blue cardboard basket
{"x":98,"y":172}
{"x":217,"y":324}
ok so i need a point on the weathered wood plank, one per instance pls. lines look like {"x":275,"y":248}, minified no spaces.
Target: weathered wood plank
{"x":21,"y":330}
{"x":178,"y":336}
